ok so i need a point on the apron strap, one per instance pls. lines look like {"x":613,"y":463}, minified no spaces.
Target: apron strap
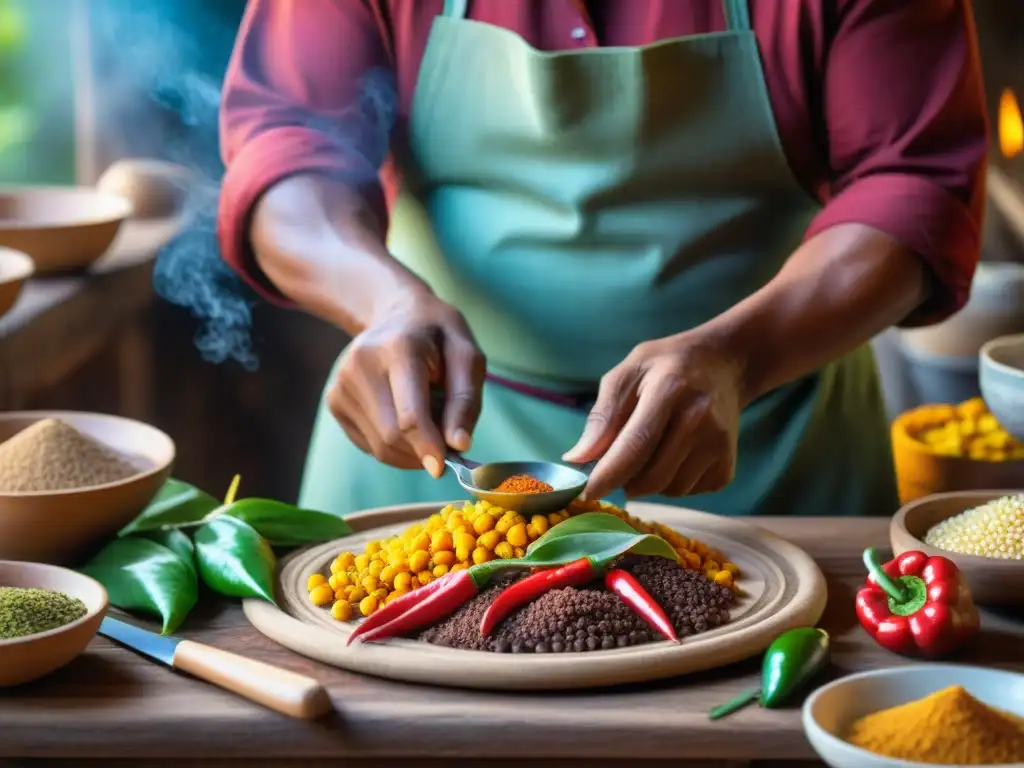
{"x":455,"y":9}
{"x":737,"y":15}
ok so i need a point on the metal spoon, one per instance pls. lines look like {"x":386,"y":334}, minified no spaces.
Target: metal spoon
{"x":479,"y":480}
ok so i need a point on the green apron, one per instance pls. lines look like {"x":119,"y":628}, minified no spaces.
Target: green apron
{"x":576,"y":203}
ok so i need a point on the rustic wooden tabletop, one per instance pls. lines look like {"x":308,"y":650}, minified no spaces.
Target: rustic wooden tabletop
{"x":110,"y":703}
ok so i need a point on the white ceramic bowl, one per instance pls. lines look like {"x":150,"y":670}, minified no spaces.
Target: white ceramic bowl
{"x":1002,"y":381}
{"x":831,"y":709}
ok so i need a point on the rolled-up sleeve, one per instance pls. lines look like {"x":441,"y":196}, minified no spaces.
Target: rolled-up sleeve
{"x":908,"y":135}
{"x":308,"y":90}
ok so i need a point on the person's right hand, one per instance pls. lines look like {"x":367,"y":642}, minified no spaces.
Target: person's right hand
{"x":381,"y":396}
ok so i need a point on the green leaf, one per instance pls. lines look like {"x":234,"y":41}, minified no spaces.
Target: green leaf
{"x":175,"y":504}
{"x":142,"y":575}
{"x":600,"y":546}
{"x":598,"y":536}
{"x":591,"y":522}
{"x":177,"y":542}
{"x":234,"y":560}
{"x":284,"y":525}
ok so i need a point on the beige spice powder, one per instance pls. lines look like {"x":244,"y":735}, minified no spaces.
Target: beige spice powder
{"x":51,"y":455}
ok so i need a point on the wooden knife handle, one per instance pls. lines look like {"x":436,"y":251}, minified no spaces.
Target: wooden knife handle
{"x":275,"y":688}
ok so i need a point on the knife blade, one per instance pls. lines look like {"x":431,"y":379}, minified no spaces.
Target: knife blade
{"x":147,"y":643}
{"x":278,"y":689}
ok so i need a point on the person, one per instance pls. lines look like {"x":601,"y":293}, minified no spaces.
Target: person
{"x":655,"y":235}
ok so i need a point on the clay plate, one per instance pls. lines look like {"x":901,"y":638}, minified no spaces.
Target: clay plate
{"x":28,"y":658}
{"x":782,"y":588}
{"x":992,"y":581}
{"x":81,"y":519}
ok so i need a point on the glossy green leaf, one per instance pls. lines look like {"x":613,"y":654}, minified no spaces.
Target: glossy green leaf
{"x":234,"y":559}
{"x":591,"y":522}
{"x":286,"y":526}
{"x":142,"y":575}
{"x":598,"y":536}
{"x":176,"y":541}
{"x":175,"y":504}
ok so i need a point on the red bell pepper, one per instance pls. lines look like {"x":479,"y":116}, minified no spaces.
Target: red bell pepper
{"x":916,"y":605}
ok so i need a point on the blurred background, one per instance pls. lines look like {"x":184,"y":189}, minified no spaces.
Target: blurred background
{"x":84,"y":83}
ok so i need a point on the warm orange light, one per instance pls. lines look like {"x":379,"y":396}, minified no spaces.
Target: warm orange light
{"x":1011,"y":125}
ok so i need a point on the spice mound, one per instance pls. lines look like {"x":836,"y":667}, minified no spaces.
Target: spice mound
{"x":26,"y":612}
{"x":995,"y":529}
{"x":53,"y":456}
{"x":462,"y":535}
{"x":949,"y":727}
{"x":523,"y":484}
{"x":589,"y":618}
{"x":967,"y":430}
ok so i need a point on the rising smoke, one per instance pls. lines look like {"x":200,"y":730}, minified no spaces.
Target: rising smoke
{"x":172,"y":55}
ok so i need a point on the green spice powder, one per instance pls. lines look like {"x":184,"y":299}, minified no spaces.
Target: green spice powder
{"x":30,"y":611}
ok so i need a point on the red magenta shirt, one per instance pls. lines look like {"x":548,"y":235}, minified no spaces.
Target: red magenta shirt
{"x":879,"y":104}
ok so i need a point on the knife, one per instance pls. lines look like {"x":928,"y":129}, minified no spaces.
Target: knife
{"x":275,"y":688}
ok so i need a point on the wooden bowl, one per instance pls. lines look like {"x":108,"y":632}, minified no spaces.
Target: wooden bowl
{"x":15,"y":268}
{"x":156,"y":189}
{"x":62,"y":526}
{"x":921,"y":472}
{"x":25,"y":659}
{"x":992,"y":581}
{"x":60,"y":228}
{"x":1001,"y":374}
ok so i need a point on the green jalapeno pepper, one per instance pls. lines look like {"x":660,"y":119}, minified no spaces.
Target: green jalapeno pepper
{"x":790,"y":662}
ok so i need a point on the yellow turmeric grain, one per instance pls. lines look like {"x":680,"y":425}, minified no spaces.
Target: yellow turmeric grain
{"x":460,"y":536}
{"x":341,"y":610}
{"x":314,"y":581}
{"x":966,"y":430}
{"x":949,"y":727}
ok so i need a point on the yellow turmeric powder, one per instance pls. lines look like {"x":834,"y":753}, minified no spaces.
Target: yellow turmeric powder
{"x":949,"y":727}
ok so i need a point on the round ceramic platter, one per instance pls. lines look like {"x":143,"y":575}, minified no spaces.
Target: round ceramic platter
{"x":781,"y":588}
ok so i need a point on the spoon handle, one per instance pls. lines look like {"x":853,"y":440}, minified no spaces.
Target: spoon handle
{"x":457,"y":461}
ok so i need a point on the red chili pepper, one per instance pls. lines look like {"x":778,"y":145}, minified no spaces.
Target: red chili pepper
{"x":522,"y":592}
{"x":630,"y":591}
{"x":419,"y":608}
{"x":916,"y":605}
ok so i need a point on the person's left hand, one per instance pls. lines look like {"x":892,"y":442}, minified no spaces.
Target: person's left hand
{"x":665,"y":421}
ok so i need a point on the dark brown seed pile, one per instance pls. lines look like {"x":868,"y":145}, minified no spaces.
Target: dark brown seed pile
{"x":589,"y":618}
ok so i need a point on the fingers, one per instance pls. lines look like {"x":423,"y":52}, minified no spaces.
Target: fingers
{"x":464,"y":368}
{"x":616,"y":399}
{"x":672,"y":452}
{"x":354,"y":418}
{"x":413,"y":422}
{"x":690,"y":473}
{"x":633,"y":447}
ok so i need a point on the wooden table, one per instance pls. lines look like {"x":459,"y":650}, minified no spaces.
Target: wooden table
{"x":112,"y":704}
{"x":60,"y":322}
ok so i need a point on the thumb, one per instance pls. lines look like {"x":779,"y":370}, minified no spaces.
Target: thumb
{"x":611,"y":411}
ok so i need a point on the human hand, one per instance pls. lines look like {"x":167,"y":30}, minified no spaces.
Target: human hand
{"x":381,"y":395}
{"x":665,"y":421}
